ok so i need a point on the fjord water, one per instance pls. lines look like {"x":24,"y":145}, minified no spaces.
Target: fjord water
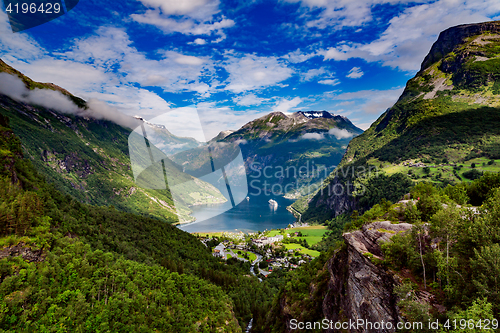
{"x":248,"y":216}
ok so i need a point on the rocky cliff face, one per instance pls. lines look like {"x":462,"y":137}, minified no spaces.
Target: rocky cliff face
{"x":358,"y":288}
{"x":349,"y":286}
{"x":449,"y":39}
{"x":24,"y":251}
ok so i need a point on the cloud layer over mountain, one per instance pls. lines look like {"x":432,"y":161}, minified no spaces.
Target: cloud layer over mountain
{"x":15,"y":88}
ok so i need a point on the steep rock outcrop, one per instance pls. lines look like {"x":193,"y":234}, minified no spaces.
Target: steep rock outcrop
{"x":24,"y":251}
{"x":450,"y":38}
{"x":359,"y":289}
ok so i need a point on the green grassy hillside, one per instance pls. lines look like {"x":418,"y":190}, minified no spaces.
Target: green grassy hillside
{"x":49,"y":280}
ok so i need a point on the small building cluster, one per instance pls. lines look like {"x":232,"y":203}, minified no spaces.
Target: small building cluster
{"x":234,"y":235}
{"x":267,"y":240}
{"x":277,"y":263}
{"x":417,"y":165}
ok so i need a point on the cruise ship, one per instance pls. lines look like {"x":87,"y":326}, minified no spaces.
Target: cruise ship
{"x":273,"y":203}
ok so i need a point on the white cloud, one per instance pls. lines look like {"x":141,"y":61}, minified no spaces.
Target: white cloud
{"x":340,"y":133}
{"x":94,"y":83}
{"x":72,"y":75}
{"x":341,"y":13}
{"x":346,"y":103}
{"x":199,"y":9}
{"x":85,"y":70}
{"x":215,"y":118}
{"x":19,"y":45}
{"x":364,"y":126}
{"x":410,"y":35}
{"x":15,"y":88}
{"x":199,"y":41}
{"x":341,"y":52}
{"x":355,"y":73}
{"x":204,"y":121}
{"x":284,"y":104}
{"x":188,"y":60}
{"x":312,"y":136}
{"x":110,"y":50}
{"x":253,"y":72}
{"x":192,"y":17}
{"x":331,"y":82}
{"x":185,"y":26}
{"x":298,"y":56}
{"x":313,"y":73}
{"x":241,"y":142}
{"x":371,"y":101}
{"x":132,"y":100}
{"x":249,"y":99}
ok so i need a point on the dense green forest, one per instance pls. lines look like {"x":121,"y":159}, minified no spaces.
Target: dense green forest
{"x":453,"y":249}
{"x":68,"y":266}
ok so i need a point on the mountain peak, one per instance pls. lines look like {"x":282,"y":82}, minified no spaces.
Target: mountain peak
{"x":222,"y":135}
{"x":316,"y":114}
{"x":464,"y":63}
{"x":276,"y":125}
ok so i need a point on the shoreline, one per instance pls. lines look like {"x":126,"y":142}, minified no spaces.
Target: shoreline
{"x":210,"y":203}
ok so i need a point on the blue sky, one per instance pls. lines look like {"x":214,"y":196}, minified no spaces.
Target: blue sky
{"x":237,"y":60}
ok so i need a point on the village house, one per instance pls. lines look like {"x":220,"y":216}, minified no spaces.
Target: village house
{"x":219,"y":251}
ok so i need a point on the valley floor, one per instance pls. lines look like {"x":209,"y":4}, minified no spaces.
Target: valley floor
{"x":286,"y":249}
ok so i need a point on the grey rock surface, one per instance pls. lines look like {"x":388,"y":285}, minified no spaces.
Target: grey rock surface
{"x":358,"y":289}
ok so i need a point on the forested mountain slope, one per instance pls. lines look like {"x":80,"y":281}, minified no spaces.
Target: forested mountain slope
{"x":449,"y":110}
{"x":444,"y":128}
{"x":72,"y":266}
{"x":88,"y":158}
{"x":429,"y":258}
